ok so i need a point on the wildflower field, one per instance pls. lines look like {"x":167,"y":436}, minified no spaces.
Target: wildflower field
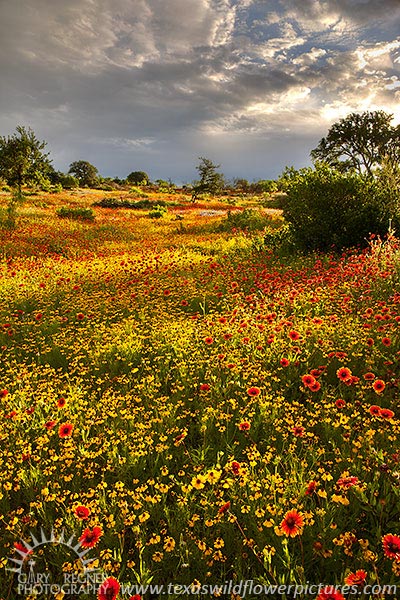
{"x":193,"y":408}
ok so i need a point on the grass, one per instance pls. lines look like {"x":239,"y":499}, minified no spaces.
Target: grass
{"x":211,"y":389}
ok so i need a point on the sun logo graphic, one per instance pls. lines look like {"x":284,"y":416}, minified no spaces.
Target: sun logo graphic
{"x":33,"y":577}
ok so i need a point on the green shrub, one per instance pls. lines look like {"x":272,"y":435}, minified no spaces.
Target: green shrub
{"x":126,"y":203}
{"x":158,"y":212}
{"x":248,"y":219}
{"x":280,"y":239}
{"x":138,"y":192}
{"x":329,"y":209}
{"x":80,"y":213}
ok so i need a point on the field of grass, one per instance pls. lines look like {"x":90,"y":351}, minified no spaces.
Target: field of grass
{"x":192,"y":408}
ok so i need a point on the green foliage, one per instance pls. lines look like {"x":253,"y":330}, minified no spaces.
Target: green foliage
{"x":80,"y":213}
{"x":138,"y":178}
{"x":358,"y":142}
{"x":22,"y":160}
{"x":109,"y":202}
{"x":158,"y":212}
{"x":264,"y":186}
{"x":85,"y":173}
{"x":280,"y":240}
{"x":8,"y":221}
{"x":327,"y":208}
{"x":211,"y":182}
{"x":138,"y":192}
{"x":246,"y":220}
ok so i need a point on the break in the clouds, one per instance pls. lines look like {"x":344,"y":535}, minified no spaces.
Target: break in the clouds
{"x":153,"y":84}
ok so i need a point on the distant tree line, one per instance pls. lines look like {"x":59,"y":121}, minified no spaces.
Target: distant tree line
{"x":352,"y":190}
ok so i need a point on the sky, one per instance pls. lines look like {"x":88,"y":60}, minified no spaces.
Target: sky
{"x":153,"y":85}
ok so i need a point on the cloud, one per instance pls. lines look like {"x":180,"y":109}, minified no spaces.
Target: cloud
{"x":127,"y":80}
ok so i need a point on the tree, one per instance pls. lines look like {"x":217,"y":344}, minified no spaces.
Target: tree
{"x":358,"y":142}
{"x":211,"y":181}
{"x":22,"y":160}
{"x":326,"y":208}
{"x":138,"y":178}
{"x":85,"y":173}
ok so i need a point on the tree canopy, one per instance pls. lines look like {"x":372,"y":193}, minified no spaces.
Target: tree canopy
{"x":211,"y":181}
{"x":359,"y":142}
{"x":138,"y":178}
{"x":85,"y":173}
{"x":22,"y":159}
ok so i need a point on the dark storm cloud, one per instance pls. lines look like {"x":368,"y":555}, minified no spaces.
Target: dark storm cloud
{"x":154,"y":83}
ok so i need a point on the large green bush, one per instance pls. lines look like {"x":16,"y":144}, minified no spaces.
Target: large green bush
{"x":329,"y":209}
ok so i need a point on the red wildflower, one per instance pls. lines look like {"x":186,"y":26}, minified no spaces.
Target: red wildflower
{"x":109,"y":589}
{"x":340,"y":403}
{"x":310,"y":489}
{"x":386,"y":341}
{"x":285,"y":362}
{"x":375,"y":410}
{"x":379,"y":386}
{"x":235,"y":466}
{"x":391,"y":546}
{"x":386,"y":413}
{"x":357,"y":578}
{"x":308,"y":380}
{"x":208,"y":340}
{"x":330,"y":593}
{"x":3,"y":393}
{"x":298,"y":431}
{"x":347,"y":482}
{"x":244,"y":426}
{"x":204,"y":387}
{"x":344,"y":374}
{"x":82,"y":512}
{"x":224,"y":508}
{"x":65,"y":430}
{"x":369,"y":376}
{"x":315,"y":387}
{"x":370,"y":342}
{"x":136,"y":597}
{"x":80,"y":316}
{"x":61,"y":402}
{"x":90,"y":537}
{"x":254,"y":391}
{"x":292,"y":523}
{"x":294,"y":335}
{"x":50,"y":424}
{"x":22,"y":549}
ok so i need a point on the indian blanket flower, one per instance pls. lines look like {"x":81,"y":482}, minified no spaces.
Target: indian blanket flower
{"x":65,"y":430}
{"x":82,"y":512}
{"x":109,"y":589}
{"x":330,"y":593}
{"x":375,"y":410}
{"x":254,"y":391}
{"x":344,"y":374}
{"x":357,"y":578}
{"x":244,"y":426}
{"x":386,"y":413}
{"x":391,"y":546}
{"x":61,"y":402}
{"x":346,"y":483}
{"x":311,"y":487}
{"x":224,"y":508}
{"x":292,"y":523}
{"x":90,"y":537}
{"x":379,"y":386}
{"x":308,"y":380}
